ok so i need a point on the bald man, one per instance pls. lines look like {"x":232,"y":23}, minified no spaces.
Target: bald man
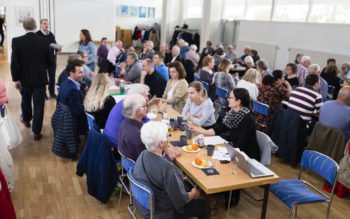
{"x":336,"y":113}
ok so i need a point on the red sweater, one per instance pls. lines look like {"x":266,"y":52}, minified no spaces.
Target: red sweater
{"x":6,"y":207}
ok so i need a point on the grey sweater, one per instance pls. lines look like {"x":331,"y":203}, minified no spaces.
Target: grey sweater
{"x":202,"y":115}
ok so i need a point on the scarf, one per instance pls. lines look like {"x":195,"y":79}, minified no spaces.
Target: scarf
{"x":232,"y":119}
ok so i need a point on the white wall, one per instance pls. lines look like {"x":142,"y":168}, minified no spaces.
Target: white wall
{"x":326,"y":38}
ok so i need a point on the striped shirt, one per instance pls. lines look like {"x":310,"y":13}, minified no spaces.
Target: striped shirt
{"x":305,"y":101}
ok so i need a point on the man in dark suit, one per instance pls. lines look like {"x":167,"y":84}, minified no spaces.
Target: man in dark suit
{"x":30,"y":60}
{"x":208,"y":50}
{"x":71,"y":96}
{"x":175,"y":53}
{"x":45,"y":33}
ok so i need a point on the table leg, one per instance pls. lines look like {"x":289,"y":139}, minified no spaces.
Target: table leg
{"x":266,"y":198}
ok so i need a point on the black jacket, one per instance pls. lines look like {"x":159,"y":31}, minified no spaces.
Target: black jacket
{"x":30,"y":60}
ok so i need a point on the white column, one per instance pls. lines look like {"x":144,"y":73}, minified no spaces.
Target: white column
{"x":164,"y":33}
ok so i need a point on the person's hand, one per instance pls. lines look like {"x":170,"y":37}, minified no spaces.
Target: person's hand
{"x":195,"y":193}
{"x":122,"y":65}
{"x":172,"y":152}
{"x":162,"y":106}
{"x":195,"y":128}
{"x":18,"y":85}
{"x":143,"y":73}
{"x":153,"y":101}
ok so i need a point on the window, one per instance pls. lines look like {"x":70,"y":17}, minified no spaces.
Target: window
{"x":291,"y":10}
{"x":325,"y":11}
{"x":258,"y":10}
{"x":194,"y":8}
{"x":234,"y":9}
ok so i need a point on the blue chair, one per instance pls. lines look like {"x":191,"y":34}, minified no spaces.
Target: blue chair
{"x":91,"y":122}
{"x":141,"y":193}
{"x":294,"y":192}
{"x":196,"y":78}
{"x":126,"y":164}
{"x":205,"y":85}
{"x":222,"y":95}
{"x":261,"y":109}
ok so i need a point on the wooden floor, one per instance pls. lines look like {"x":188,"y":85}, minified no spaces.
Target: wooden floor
{"x":47,"y":186}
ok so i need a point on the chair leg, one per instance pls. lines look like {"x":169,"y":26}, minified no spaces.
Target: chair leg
{"x":296,"y":211}
{"x":229,"y":202}
{"x":290,"y":213}
{"x":120,"y":199}
{"x":328,"y":210}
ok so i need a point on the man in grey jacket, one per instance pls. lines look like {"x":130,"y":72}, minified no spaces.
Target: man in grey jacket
{"x":132,"y":70}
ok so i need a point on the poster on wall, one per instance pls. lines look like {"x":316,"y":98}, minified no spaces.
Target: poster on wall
{"x":21,"y":13}
{"x":133,"y":11}
{"x":151,"y":12}
{"x":142,"y":12}
{"x":124,"y":10}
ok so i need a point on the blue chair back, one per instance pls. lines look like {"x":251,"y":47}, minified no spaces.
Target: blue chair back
{"x":91,"y":122}
{"x":141,"y":193}
{"x":321,"y":164}
{"x":196,"y":78}
{"x":261,"y":108}
{"x":330,"y":91}
{"x":205,"y":85}
{"x":220,"y":92}
{"x":127,"y":163}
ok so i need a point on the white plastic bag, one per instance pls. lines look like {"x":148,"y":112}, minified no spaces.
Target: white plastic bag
{"x":6,"y":164}
{"x":9,"y":131}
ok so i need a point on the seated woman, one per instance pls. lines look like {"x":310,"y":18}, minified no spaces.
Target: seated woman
{"x":199,"y":108}
{"x":330,"y":74}
{"x":164,"y":178}
{"x":97,"y":101}
{"x":206,"y":74}
{"x":175,"y":90}
{"x":223,"y":79}
{"x":237,"y":125}
{"x":249,"y":83}
{"x":291,"y":77}
{"x":273,"y":91}
{"x":3,"y":93}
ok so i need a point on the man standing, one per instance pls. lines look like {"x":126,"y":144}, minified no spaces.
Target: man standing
{"x":44,"y":32}
{"x":30,"y":61}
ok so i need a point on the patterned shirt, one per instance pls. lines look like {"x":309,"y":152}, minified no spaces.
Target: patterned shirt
{"x":305,"y":101}
{"x":302,"y":73}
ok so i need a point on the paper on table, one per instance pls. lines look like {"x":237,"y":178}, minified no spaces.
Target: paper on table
{"x":221,"y":153}
{"x":214,"y":140}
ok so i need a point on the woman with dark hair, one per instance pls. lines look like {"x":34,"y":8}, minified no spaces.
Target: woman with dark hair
{"x":86,"y":45}
{"x":273,"y":91}
{"x":237,"y":125}
{"x":254,"y":54}
{"x":175,"y":91}
{"x":291,"y":77}
{"x":199,"y":109}
{"x":330,"y":74}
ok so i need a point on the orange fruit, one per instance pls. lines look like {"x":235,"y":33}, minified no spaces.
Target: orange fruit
{"x":195,"y":147}
{"x":198,"y":161}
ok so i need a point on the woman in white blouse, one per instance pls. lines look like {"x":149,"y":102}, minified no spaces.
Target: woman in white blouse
{"x":248,"y":82}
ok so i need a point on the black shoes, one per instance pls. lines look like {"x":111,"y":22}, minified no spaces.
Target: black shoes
{"x":37,"y":137}
{"x":25,"y":123}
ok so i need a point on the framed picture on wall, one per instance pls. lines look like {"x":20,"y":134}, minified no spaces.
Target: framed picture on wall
{"x":142,"y":12}
{"x":124,"y":10}
{"x":21,"y":13}
{"x":133,"y":11}
{"x":151,"y":12}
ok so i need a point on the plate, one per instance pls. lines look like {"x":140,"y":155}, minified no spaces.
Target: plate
{"x":184,"y":149}
{"x":210,"y":164}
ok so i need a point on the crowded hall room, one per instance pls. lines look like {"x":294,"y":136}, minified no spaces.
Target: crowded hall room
{"x":174,"y":109}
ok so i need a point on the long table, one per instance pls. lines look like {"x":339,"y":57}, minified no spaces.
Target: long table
{"x":223,"y":182}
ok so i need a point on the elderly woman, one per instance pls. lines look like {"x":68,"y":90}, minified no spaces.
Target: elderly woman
{"x":249,"y":83}
{"x":164,"y":178}
{"x":193,"y":56}
{"x":199,"y":108}
{"x":344,"y":74}
{"x":175,"y":90}
{"x":237,"y":125}
{"x":249,"y":62}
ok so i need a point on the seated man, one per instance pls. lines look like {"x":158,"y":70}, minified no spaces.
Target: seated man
{"x":323,"y":89}
{"x":165,"y":179}
{"x":67,"y":127}
{"x":129,"y":140}
{"x":306,"y":100}
{"x":152,"y":78}
{"x":158,"y":60}
{"x":116,"y":117}
{"x":336,"y":113}
{"x":148,"y":51}
{"x":132,"y":69}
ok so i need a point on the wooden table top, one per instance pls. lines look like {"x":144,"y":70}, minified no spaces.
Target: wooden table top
{"x":225,"y":181}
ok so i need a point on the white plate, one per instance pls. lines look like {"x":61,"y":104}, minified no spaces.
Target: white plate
{"x":210,"y":164}
{"x":184,"y":149}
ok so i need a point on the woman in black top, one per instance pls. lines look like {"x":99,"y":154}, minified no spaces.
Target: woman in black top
{"x":97,"y":101}
{"x":291,"y":77}
{"x":237,"y":125}
{"x":330,"y":74}
{"x":206,"y":74}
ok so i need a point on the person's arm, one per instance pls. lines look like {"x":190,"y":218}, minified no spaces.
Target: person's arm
{"x":143,"y":76}
{"x":133,"y":73}
{"x":200,"y":130}
{"x":74,"y":103}
{"x":15,"y":65}
{"x":167,"y":88}
{"x":111,"y":56}
{"x":186,"y":108}
{"x":247,"y":124}
{"x":318,"y":104}
{"x":92,"y":51}
{"x":180,"y":92}
{"x":206,"y":112}
{"x":231,"y":82}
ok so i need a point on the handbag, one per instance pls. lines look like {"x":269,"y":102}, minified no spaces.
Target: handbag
{"x":9,"y":131}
